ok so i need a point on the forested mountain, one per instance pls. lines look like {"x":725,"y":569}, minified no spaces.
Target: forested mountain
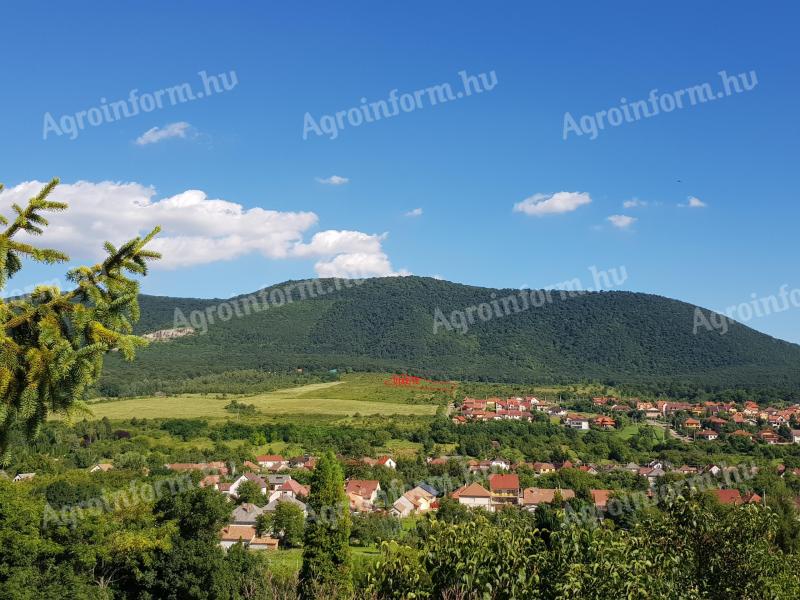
{"x":388,"y":324}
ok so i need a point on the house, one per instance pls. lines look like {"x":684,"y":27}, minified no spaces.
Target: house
{"x":504,"y":488}
{"x":232,"y":489}
{"x":533,"y":497}
{"x":273,"y":505}
{"x":276,"y":481}
{"x":716,"y":423}
{"x":295,"y":489}
{"x":362,"y":493}
{"x":707,"y":434}
{"x":691,"y":424}
{"x":24,"y":476}
{"x":303,"y":462}
{"x":686,"y":470}
{"x":604,"y":422}
{"x":795,"y":436}
{"x":103,"y":467}
{"x":210,"y":481}
{"x":769,"y":436}
{"x":576,"y":422}
{"x":751,"y":498}
{"x":499,"y":463}
{"x":743,"y":433}
{"x":473,"y":495}
{"x":248,"y":464}
{"x":272,"y":462}
{"x":387,"y":461}
{"x":600,"y":498}
{"x":246,"y":534}
{"x":730,"y":497}
{"x":652,"y":474}
{"x":246,"y":514}
{"x":541,"y":468}
{"x":590,"y":469}
{"x":415,"y":501}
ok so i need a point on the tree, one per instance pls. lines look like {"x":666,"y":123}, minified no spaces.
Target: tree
{"x":53,"y":342}
{"x":250,"y":492}
{"x":326,"y":570}
{"x":287,"y":524}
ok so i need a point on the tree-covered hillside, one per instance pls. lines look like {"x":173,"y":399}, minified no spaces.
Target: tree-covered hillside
{"x":388,"y":324}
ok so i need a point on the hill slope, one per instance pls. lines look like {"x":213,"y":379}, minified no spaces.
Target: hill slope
{"x":388,"y":324}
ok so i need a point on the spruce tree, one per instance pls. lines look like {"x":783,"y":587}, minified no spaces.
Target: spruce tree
{"x":52,"y":342}
{"x":326,"y":570}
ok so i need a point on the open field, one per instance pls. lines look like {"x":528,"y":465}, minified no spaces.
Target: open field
{"x":316,"y":398}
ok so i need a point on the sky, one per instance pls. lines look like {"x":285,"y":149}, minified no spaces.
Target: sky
{"x":542,"y":176}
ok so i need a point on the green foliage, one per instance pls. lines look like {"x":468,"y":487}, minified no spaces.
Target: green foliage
{"x":250,"y":492}
{"x":373,"y":528}
{"x":287,"y":524}
{"x":326,"y":566}
{"x":53,"y":342}
{"x":639,"y":343}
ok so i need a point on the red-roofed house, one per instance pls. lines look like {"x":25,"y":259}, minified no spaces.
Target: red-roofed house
{"x":362,"y":493}
{"x":504,"y":488}
{"x":600,"y":498}
{"x":533,"y":497}
{"x":474,"y":495}
{"x":732,"y":497}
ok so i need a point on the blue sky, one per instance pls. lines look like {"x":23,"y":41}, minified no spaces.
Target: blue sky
{"x":466,"y":163}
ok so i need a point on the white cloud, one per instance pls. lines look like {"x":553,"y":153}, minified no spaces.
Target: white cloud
{"x":195,"y":229}
{"x":635,"y":203}
{"x":333,"y":180}
{"x":417,"y":212}
{"x":693,"y":202}
{"x":621,"y":221}
{"x":180,"y":129}
{"x":539,"y":205}
{"x":357,"y":265}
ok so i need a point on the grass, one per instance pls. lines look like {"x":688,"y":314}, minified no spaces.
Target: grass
{"x":288,"y":562}
{"x":339,"y":399}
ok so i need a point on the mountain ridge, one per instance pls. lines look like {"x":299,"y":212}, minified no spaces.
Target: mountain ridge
{"x":389,"y":324}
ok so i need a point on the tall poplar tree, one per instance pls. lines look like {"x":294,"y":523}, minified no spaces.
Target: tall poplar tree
{"x":52,"y":342}
{"x":326,"y":570}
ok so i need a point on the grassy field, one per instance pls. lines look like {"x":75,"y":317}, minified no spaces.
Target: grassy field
{"x":344,"y":398}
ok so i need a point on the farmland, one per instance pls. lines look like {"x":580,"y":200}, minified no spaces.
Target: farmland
{"x":356,"y":395}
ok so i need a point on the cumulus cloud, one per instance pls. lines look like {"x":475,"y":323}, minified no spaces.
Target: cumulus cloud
{"x":417,"y":212}
{"x":195,"y":229}
{"x":621,"y":221}
{"x":635,"y":203}
{"x":181,"y":129}
{"x":333,"y":180}
{"x":540,"y":205}
{"x":693,"y":202}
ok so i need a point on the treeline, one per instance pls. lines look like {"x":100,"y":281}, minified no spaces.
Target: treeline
{"x":245,"y":381}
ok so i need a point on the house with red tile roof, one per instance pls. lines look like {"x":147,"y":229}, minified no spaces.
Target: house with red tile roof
{"x":362,"y":493}
{"x":729,"y":497}
{"x":246,"y":534}
{"x":603,"y":422}
{"x":533,"y":497}
{"x":474,"y":495}
{"x":600,"y":498}
{"x":504,"y":488}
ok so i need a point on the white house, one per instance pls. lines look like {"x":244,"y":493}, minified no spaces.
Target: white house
{"x":24,"y":476}
{"x":273,"y":462}
{"x":232,"y":489}
{"x":577,"y":422}
{"x":474,"y":495}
